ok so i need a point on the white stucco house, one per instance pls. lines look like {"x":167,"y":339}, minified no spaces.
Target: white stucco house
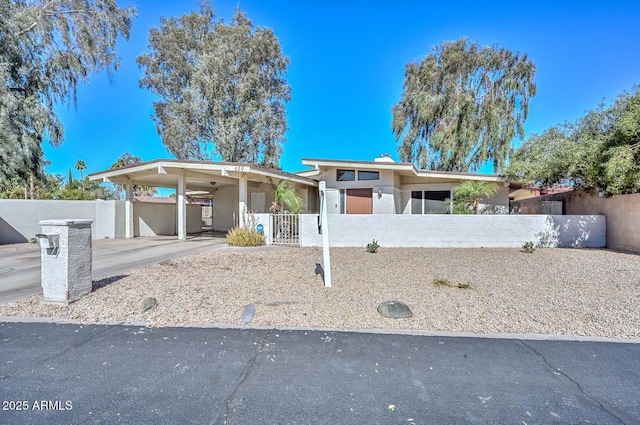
{"x":381,"y":186}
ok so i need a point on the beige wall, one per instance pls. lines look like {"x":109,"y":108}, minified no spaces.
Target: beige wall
{"x":153,"y":219}
{"x":20,"y":219}
{"x":623,"y":214}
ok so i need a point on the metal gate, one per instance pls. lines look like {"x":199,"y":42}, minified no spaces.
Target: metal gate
{"x":284,"y":229}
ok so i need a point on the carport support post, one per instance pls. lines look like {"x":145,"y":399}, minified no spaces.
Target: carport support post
{"x":242,"y":200}
{"x":182,"y":207}
{"x":128,"y":210}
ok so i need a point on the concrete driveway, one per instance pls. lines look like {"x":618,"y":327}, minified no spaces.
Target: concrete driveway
{"x":20,"y":271}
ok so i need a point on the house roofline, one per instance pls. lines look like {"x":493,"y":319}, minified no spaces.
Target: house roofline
{"x":199,"y":165}
{"x":400,"y":166}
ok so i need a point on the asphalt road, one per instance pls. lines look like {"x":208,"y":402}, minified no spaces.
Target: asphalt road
{"x":20,"y":272}
{"x":133,"y":375}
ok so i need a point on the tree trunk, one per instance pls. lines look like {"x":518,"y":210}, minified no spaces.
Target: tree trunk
{"x":32,"y":187}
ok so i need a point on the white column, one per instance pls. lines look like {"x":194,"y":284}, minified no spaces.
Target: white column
{"x":242,"y":200}
{"x":182,"y":207}
{"x":128,"y":210}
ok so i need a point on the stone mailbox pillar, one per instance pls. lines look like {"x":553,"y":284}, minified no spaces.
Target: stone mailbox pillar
{"x":65,"y":248}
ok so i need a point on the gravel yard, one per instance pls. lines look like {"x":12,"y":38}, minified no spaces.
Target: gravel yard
{"x":552,"y":291}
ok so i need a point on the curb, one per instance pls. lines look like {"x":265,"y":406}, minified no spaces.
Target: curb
{"x":445,"y":334}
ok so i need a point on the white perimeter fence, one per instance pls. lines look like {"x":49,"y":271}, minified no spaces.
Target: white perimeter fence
{"x":457,"y":231}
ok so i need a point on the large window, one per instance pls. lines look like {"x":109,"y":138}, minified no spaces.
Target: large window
{"x":345,"y":175}
{"x":430,"y":201}
{"x":368,"y":175}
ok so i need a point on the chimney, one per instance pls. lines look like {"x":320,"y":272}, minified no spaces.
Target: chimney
{"x":384,"y":157}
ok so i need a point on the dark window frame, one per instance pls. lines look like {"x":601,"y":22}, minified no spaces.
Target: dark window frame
{"x":340,"y":174}
{"x":377,"y":175}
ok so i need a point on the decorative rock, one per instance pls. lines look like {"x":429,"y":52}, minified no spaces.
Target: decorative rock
{"x":394,"y":310}
{"x":148,"y":303}
{"x":247,"y":314}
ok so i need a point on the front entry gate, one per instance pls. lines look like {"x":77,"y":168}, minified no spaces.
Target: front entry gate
{"x":285,"y":229}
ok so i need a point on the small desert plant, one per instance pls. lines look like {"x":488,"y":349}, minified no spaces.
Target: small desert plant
{"x":245,"y":237}
{"x":372,"y":247}
{"x":443,"y":281}
{"x":528,"y":247}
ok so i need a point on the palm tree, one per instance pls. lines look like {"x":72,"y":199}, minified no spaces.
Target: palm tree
{"x":286,"y":199}
{"x":472,"y":191}
{"x":80,"y":165}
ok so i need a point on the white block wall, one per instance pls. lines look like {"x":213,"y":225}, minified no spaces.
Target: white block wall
{"x":456,"y":231}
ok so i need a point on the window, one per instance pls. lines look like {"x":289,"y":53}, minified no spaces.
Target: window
{"x":416,"y":201}
{"x":430,"y":201}
{"x":345,"y":175}
{"x":368,"y":175}
{"x":437,"y":195}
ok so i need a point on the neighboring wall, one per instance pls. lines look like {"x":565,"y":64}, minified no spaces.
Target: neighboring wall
{"x":622,"y":214}
{"x":462,"y":231}
{"x":19,"y":218}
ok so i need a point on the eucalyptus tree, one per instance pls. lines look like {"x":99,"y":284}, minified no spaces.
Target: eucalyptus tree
{"x":462,"y":106}
{"x":46,"y":49}
{"x":221,"y":88}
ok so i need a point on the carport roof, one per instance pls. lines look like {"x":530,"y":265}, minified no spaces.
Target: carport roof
{"x":199,"y":175}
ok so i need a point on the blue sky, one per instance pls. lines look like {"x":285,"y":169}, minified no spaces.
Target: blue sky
{"x":347,"y":62}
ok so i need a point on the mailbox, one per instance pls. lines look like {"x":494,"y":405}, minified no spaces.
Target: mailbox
{"x":65,"y":272}
{"x":48,"y":240}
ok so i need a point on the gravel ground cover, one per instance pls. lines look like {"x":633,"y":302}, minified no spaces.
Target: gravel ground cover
{"x":19,"y":247}
{"x":578,"y":292}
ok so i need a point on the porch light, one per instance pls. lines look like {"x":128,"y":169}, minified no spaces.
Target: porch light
{"x":379,"y":193}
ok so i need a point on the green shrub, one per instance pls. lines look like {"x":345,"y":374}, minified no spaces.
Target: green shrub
{"x":373,"y":247}
{"x":245,"y":237}
{"x":528,"y":247}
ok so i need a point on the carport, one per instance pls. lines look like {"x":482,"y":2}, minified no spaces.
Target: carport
{"x":234,"y":188}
